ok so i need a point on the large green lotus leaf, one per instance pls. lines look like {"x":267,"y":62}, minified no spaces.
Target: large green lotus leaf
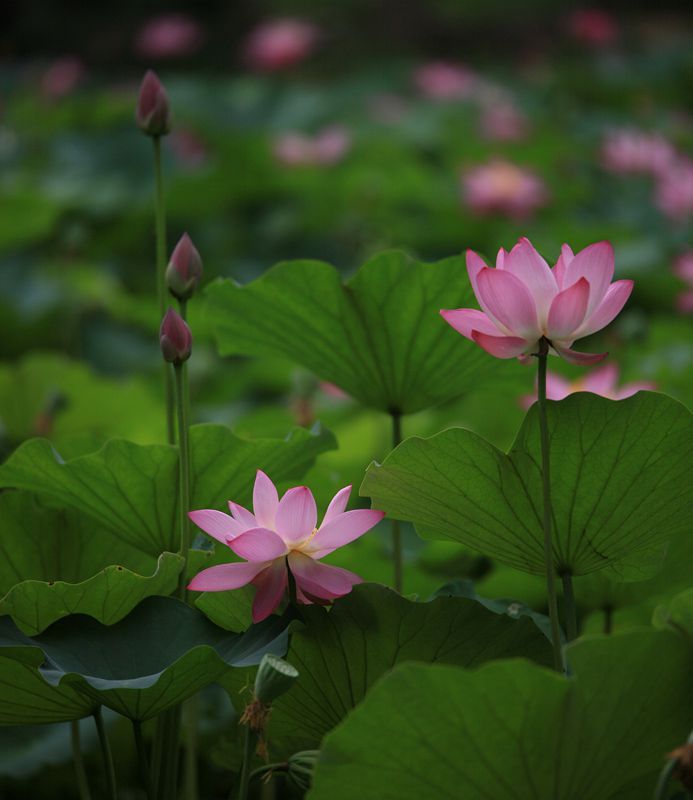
{"x":677,"y":614}
{"x":379,"y":336}
{"x":514,"y":731}
{"x":55,"y":562}
{"x":339,"y":655}
{"x":132,"y":489}
{"x":160,"y":654}
{"x":621,"y":484}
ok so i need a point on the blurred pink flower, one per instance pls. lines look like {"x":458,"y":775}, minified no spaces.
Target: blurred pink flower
{"x":169,"y":36}
{"x":444,"y":80}
{"x":280,"y":43}
{"x":329,"y":146}
{"x":332,"y":390}
{"x":632,"y":151}
{"x":523,"y":300}
{"x":593,"y":26}
{"x":503,"y":122}
{"x":282,"y":535}
{"x":500,"y":186}
{"x":674,"y":190}
{"x":602,"y":381}
{"x":683,"y":268}
{"x":188,"y":147}
{"x":62,"y":76}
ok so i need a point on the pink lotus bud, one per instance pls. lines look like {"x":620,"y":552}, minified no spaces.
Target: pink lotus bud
{"x":184,"y":269}
{"x":153,"y":113}
{"x":175,"y":338}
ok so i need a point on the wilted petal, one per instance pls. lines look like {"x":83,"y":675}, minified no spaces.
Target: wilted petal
{"x":216,"y":524}
{"x":596,"y":264}
{"x":244,"y":516}
{"x":265,"y":500}
{"x":225,"y":576}
{"x":508,"y":301}
{"x":614,"y":300}
{"x":581,"y":359}
{"x":258,"y":544}
{"x":466,"y":320}
{"x":525,"y":263}
{"x":337,"y":505}
{"x":270,"y":585}
{"x":320,"y":580}
{"x":501,"y":346}
{"x":297,"y":515}
{"x":568,"y":310}
{"x":341,"y":530}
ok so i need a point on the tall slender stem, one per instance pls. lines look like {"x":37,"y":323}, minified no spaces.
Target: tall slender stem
{"x":190,"y":710}
{"x":106,"y":753}
{"x":244,"y":781}
{"x":396,"y":532}
{"x":142,"y":760}
{"x":160,"y":231}
{"x":183,"y":470}
{"x":548,"y":513}
{"x":569,"y":606}
{"x":80,"y":772}
{"x":293,"y":601}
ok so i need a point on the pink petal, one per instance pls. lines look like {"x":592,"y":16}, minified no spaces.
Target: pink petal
{"x":265,"y":500}
{"x":244,"y":516}
{"x":507,"y":302}
{"x":341,"y":530}
{"x":297,"y":515}
{"x":320,"y":580}
{"x":525,"y":263}
{"x":602,"y":381}
{"x":581,"y":359}
{"x":225,"y":576}
{"x":568,"y":310}
{"x":474,"y":266}
{"x":596,"y":264}
{"x":614,"y":300}
{"x":258,"y":544}
{"x":337,"y":505}
{"x":220,"y":526}
{"x":466,"y":320}
{"x":270,"y":585}
{"x":501,"y":346}
{"x":561,"y":265}
{"x":556,"y":387}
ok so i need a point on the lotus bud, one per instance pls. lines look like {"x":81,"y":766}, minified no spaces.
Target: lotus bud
{"x":153,"y":112}
{"x":175,"y":338}
{"x":184,"y":269}
{"x":301,"y":767}
{"x":274,"y":678}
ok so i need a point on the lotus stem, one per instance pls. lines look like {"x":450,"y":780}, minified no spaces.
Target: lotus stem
{"x":244,"y":780}
{"x":542,"y":356}
{"x":112,"y":792}
{"x":396,"y":532}
{"x":143,"y":761}
{"x":181,"y":381}
{"x":80,"y":772}
{"x":160,"y":232}
{"x":569,"y":605}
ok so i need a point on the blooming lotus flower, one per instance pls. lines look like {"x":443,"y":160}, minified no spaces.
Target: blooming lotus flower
{"x":280,"y":43}
{"x":523,"y":300}
{"x":628,"y":151}
{"x":282,"y":535}
{"x":674,"y":190}
{"x":502,"y":187}
{"x":602,"y":381}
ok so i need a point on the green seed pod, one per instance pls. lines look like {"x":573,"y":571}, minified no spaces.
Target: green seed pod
{"x":301,"y":767}
{"x":274,"y":677}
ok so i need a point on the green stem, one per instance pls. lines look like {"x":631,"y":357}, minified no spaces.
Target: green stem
{"x":106,"y":753}
{"x":80,"y":772}
{"x":608,"y":619}
{"x":293,"y":601}
{"x":142,"y":760}
{"x":183,"y":470}
{"x":548,"y":514}
{"x":244,"y":781}
{"x":160,"y":231}
{"x":190,"y":710}
{"x":569,"y":603}
{"x":396,"y":533}
{"x":168,"y":773}
{"x":279,"y":766}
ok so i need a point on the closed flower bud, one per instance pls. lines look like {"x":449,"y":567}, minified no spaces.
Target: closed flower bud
{"x":184,"y":269}
{"x":175,"y":338}
{"x":153,"y":113}
{"x":301,"y":767}
{"x":274,"y":677}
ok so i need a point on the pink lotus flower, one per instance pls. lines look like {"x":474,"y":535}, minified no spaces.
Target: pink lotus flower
{"x":503,"y":122}
{"x":62,"y":77}
{"x":602,"y":381}
{"x":502,"y":187}
{"x":281,"y":535}
{"x":280,"y":43}
{"x":674,"y":191}
{"x":169,"y":36}
{"x":327,"y":147}
{"x":523,"y":300}
{"x":630,"y":151}
{"x":443,"y":80}
{"x":153,"y":111}
{"x":683,"y":268}
{"x":593,"y":26}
